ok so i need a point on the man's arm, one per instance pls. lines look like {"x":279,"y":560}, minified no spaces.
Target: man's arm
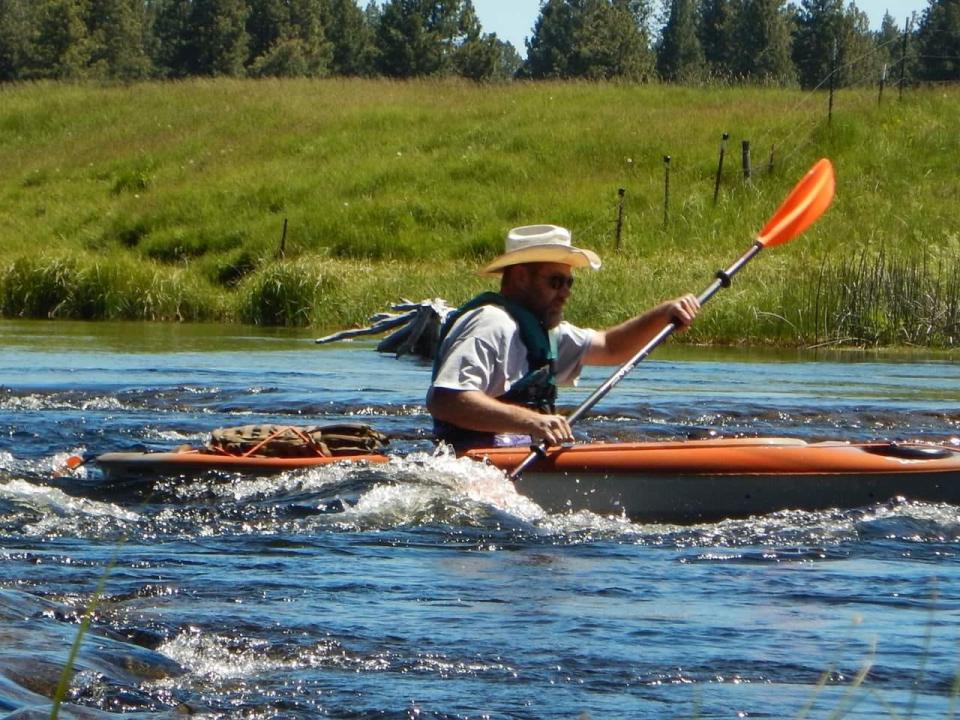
{"x":618,"y":344}
{"x":474,"y":410}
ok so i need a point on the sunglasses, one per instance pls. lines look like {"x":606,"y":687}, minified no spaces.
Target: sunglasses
{"x":556,"y":282}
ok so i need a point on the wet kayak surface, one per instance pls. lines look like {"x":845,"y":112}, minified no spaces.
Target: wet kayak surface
{"x":428,"y":587}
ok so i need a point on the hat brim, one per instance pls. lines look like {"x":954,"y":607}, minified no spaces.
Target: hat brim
{"x":572,"y":256}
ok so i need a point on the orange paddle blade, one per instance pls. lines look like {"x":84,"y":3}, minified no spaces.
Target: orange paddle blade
{"x":805,"y":203}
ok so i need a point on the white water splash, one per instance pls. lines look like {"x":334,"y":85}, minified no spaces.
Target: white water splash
{"x":43,"y":402}
{"x":175,"y":436}
{"x":209,"y":657}
{"x":103,"y":403}
{"x":54,"y":505}
{"x":398,"y":491}
{"x":424,"y":486}
{"x":247,"y":488}
{"x":7,"y":460}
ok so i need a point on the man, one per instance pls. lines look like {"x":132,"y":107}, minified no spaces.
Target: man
{"x":503,"y":354}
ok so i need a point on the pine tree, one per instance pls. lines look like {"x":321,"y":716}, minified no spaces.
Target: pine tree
{"x":510,"y":60}
{"x":717,"y":20}
{"x":117,"y":31}
{"x":858,"y":61}
{"x":174,"y":50}
{"x":480,"y":58}
{"x":591,"y":39}
{"x":551,"y":47}
{"x":680,"y":56}
{"x":938,"y":38}
{"x":475,"y":55}
{"x":267,"y":22}
{"x":63,"y":46}
{"x":308,"y":33}
{"x":400,"y":37}
{"x":288,"y":38}
{"x":762,"y":42}
{"x":816,"y":40}
{"x":219,"y":42}
{"x":609,"y":43}
{"x":352,"y":37}
{"x":418,"y":37}
{"x":890,"y":47}
{"x":887,"y":41}
{"x":16,"y":46}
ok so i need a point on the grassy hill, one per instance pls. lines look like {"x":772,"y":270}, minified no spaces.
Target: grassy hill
{"x":169,"y":201}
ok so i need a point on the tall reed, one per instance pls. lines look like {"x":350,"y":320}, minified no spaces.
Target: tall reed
{"x":878,"y":297}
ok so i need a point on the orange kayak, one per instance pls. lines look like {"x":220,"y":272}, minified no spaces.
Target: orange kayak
{"x":679,"y":481}
{"x":703,"y":480}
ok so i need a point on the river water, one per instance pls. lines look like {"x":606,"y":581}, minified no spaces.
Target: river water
{"x":427,"y":588}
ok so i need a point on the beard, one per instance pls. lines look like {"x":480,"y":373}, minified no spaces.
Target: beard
{"x":551,"y":318}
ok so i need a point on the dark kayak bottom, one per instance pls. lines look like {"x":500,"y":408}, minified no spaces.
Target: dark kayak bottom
{"x":686,"y":499}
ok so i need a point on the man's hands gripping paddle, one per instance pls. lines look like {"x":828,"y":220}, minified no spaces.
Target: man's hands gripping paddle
{"x":808,"y":200}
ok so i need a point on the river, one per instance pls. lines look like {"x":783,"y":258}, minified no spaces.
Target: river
{"x":427,"y":588}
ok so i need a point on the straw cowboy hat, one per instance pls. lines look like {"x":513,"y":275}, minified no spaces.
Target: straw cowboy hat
{"x":541,"y":243}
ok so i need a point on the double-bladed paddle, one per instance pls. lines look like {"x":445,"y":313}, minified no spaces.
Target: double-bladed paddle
{"x":806,"y":202}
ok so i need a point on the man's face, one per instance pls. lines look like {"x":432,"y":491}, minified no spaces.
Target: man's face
{"x":543,"y":288}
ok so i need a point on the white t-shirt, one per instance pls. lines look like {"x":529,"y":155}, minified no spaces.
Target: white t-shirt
{"x":483,"y":351}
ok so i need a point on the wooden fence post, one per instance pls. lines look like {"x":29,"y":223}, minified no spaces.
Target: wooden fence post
{"x":723,"y":150}
{"x":620,"y":193}
{"x":666,"y":190}
{"x":833,"y":75}
{"x":745,"y":146}
{"x":883,"y":80}
{"x":281,"y":251}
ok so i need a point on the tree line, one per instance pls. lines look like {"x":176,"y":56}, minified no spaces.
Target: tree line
{"x":766,"y":41}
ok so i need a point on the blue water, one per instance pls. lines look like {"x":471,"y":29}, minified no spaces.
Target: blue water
{"x":428,"y":588}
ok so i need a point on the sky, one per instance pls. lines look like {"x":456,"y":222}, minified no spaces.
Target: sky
{"x":513,"y":20}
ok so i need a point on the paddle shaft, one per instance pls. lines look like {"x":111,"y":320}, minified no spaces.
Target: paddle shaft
{"x":722,"y":280}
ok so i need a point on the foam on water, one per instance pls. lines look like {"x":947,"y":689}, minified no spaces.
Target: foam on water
{"x":55,"y":504}
{"x":219,"y":657}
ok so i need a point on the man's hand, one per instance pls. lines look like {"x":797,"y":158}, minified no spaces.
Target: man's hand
{"x":682,"y":310}
{"x":553,"y":429}
{"x":473,"y":410}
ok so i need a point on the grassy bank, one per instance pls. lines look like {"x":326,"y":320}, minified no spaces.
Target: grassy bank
{"x":169,"y":201}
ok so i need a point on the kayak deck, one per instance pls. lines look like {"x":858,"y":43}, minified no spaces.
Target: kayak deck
{"x":729,"y":455}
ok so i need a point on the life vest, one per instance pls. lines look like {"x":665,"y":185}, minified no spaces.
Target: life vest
{"x":536,"y":390}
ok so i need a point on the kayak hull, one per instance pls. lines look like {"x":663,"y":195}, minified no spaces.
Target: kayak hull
{"x":694,"y":498}
{"x":679,"y":482}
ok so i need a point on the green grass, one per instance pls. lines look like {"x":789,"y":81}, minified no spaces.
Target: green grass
{"x":167,"y":200}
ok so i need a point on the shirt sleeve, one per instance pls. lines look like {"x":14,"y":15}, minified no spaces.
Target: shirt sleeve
{"x":572,"y":344}
{"x":483,"y":351}
{"x":474,"y":354}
